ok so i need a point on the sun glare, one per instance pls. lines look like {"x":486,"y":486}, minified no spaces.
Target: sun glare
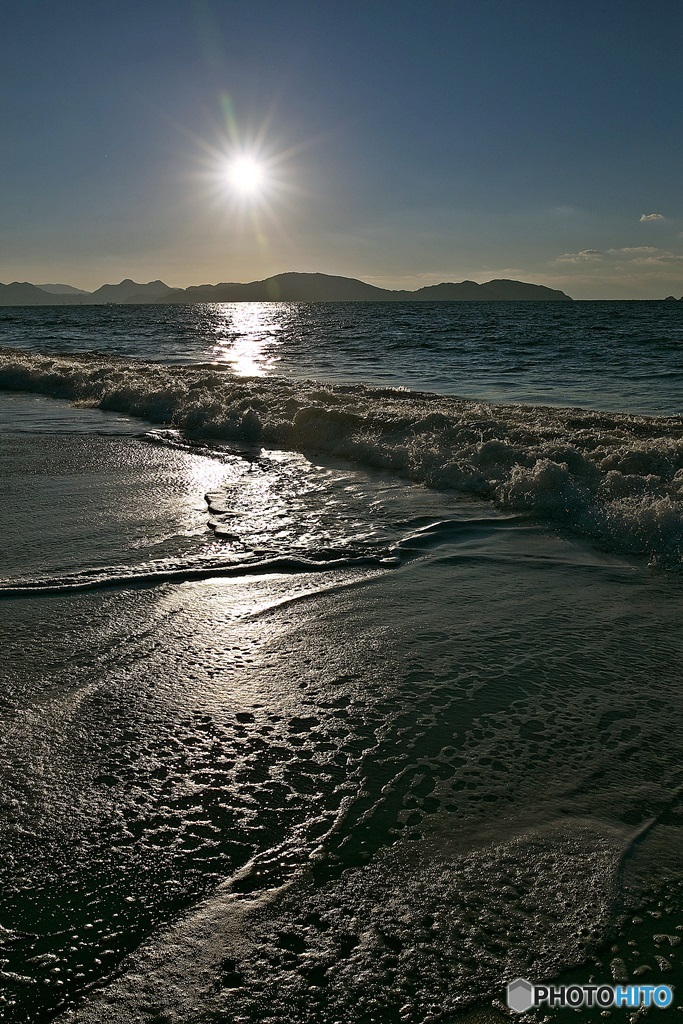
{"x":246,"y":175}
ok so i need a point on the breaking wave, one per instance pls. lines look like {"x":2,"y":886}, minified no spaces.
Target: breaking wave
{"x":613,"y":477}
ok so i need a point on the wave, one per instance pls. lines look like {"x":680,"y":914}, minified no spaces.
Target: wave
{"x":114,"y":576}
{"x":614,"y":477}
{"x":315,"y":560}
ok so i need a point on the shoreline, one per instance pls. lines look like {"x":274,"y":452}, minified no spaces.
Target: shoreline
{"x":614,"y":478}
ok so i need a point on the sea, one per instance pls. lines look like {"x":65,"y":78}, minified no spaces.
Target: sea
{"x":341,"y":673}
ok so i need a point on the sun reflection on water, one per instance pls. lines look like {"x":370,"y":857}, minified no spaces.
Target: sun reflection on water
{"x":247,"y":336}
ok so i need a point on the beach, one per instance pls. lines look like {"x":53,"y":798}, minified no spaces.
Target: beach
{"x":341,"y":513}
{"x":326,"y":703}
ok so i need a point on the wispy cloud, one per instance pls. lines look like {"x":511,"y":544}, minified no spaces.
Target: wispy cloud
{"x":580,"y":257}
{"x":645,"y":254}
{"x":628,"y":253}
{"x":651,"y":216}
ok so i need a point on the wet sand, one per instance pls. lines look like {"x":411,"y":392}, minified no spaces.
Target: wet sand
{"x":375,"y":794}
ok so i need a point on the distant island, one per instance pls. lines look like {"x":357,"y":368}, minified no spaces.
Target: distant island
{"x":290,"y":287}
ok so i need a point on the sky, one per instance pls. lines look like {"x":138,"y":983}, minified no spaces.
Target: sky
{"x":404,"y":143}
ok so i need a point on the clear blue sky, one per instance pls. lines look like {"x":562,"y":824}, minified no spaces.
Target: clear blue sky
{"x":404,"y":142}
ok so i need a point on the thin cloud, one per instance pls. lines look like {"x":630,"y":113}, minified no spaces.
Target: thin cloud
{"x":645,"y":254}
{"x":645,"y":217}
{"x":633,"y":252}
{"x":580,"y":257}
{"x":629,"y":253}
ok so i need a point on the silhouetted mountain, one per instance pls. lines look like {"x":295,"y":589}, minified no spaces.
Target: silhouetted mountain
{"x":130,"y":291}
{"x":24,"y":294}
{"x":290,"y":287}
{"x":285,"y":287}
{"x":326,"y":288}
{"x":61,"y":289}
{"x":21,"y":293}
{"x":492,"y":291}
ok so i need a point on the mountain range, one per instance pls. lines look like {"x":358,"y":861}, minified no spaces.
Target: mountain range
{"x":292,"y":287}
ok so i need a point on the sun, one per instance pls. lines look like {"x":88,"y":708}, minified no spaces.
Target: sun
{"x":246,"y":175}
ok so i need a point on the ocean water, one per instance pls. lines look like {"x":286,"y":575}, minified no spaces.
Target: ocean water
{"x":341,"y":658}
{"x":619,"y":356}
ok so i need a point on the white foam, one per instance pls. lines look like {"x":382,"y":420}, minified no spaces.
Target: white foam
{"x":614,"y":477}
